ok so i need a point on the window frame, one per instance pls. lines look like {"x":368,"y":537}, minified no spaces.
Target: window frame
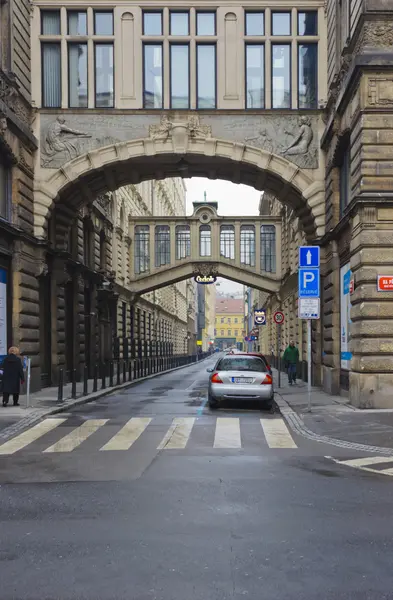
{"x":258,"y":12}
{"x":179,"y":12}
{"x":104,"y":43}
{"x":171,"y":45}
{"x":298,"y":44}
{"x":277,"y":35}
{"x":205,"y":43}
{"x":43,"y":11}
{"x":7,"y":166}
{"x":72,"y":11}
{"x":43,"y":45}
{"x":153,"y":43}
{"x":305,"y":11}
{"x":154,"y":12}
{"x":77,"y":43}
{"x":205,"y":12}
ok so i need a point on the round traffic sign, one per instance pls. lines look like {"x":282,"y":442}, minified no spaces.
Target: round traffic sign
{"x":278,"y":317}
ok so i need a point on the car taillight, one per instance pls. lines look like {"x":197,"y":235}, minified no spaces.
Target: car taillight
{"x":268,"y":380}
{"x":216,"y":378}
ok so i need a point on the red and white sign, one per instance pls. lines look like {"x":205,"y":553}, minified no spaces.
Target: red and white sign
{"x":385,"y":283}
{"x":279,"y":317}
{"x":352,"y":286}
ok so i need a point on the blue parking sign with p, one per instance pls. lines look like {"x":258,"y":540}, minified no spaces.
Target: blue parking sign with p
{"x":309,"y":283}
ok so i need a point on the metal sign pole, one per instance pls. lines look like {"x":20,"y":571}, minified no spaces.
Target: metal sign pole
{"x":279,"y":353}
{"x":28,"y":383}
{"x":309,"y":363}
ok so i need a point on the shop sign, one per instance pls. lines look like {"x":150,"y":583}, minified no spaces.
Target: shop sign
{"x":260,"y":316}
{"x":205,"y":279}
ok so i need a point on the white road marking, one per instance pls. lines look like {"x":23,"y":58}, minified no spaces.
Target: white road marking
{"x":227,"y":433}
{"x":364,"y":462}
{"x":77,"y":436}
{"x":178,"y":434}
{"x":31,"y":435}
{"x":277,"y":434}
{"x":127,"y":435}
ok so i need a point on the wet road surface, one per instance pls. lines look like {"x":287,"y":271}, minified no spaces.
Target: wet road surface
{"x":148,"y":495}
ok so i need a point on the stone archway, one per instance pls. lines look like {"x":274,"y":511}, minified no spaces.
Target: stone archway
{"x":174,"y":148}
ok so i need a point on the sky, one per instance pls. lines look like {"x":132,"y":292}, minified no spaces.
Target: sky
{"x":233,"y":200}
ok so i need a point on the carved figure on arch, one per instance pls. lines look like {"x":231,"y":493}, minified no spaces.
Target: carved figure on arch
{"x":59,"y":139}
{"x":303,"y":140}
{"x":161,"y":131}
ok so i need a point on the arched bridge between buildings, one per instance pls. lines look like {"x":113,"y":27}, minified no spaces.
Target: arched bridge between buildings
{"x":165,"y":250}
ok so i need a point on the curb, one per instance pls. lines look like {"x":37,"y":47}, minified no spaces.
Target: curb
{"x":297,"y":425}
{"x":33,"y":419}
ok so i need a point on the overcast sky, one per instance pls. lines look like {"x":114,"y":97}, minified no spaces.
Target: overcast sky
{"x":233,"y":200}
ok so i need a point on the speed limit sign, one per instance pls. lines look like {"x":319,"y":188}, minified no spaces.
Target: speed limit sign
{"x":278,"y":317}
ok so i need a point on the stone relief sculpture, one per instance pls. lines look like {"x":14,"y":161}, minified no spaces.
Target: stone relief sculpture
{"x":303,"y":140}
{"x":195,"y":129}
{"x":161,"y":131}
{"x":59,"y":138}
{"x":165,"y":128}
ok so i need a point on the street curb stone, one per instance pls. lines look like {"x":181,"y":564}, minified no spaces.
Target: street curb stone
{"x":297,"y":425}
{"x":34,"y":418}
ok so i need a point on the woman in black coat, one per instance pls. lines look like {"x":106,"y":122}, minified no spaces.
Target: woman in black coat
{"x":12,"y":376}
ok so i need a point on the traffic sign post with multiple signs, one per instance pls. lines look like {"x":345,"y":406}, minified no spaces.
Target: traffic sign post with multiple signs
{"x":278,"y":318}
{"x":309,"y":297}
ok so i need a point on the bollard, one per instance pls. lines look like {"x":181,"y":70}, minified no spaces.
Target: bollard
{"x":95,"y":378}
{"x":60,"y":388}
{"x":124,"y":371}
{"x":118,"y":372}
{"x":85,"y":380}
{"x":73,"y":384}
{"x":103,"y":379}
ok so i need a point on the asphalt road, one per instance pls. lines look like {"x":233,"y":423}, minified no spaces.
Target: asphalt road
{"x":211,"y":506}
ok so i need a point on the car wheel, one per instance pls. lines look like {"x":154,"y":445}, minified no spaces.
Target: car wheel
{"x":212,"y":402}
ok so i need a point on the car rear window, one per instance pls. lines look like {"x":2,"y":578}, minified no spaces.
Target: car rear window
{"x":242,"y":363}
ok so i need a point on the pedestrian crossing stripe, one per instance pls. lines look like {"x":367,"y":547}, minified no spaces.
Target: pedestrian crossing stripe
{"x":227,"y":435}
{"x":365,"y":463}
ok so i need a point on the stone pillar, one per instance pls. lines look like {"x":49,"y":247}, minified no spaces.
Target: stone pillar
{"x":371,"y":330}
{"x":330,"y":316}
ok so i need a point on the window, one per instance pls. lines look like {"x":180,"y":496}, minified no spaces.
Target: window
{"x":162,"y":245}
{"x":229,"y":331}
{"x":102,"y":251}
{"x":227,"y":241}
{"x":77,"y":22}
{"x":103,"y":22}
{"x":5,"y":191}
{"x":142,"y":240}
{"x":281,"y":23}
{"x":183,"y":241}
{"x":307,"y":23}
{"x":51,"y":75}
{"x":179,"y":23}
{"x":235,"y":319}
{"x":307,"y":75}
{"x":236,"y":332}
{"x":152,"y":23}
{"x":229,"y":319}
{"x":50,"y":22}
{"x":237,"y":363}
{"x":180,"y":76}
{"x":345,"y":179}
{"x":222,"y":320}
{"x":255,"y":23}
{"x":77,"y":75}
{"x":255,"y":76}
{"x":206,"y":23}
{"x":268,"y":248}
{"x":222,"y":332}
{"x":205,"y":240}
{"x":87,"y":243}
{"x":153,"y":81}
{"x":124,"y":318}
{"x":247,"y":245}
{"x":281,"y":76}
{"x":206,"y":75}
{"x":104,"y":97}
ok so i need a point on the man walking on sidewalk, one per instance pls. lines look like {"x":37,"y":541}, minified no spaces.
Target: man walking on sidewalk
{"x":291,"y":357}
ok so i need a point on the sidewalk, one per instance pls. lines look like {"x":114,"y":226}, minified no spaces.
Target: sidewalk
{"x":332,"y":416}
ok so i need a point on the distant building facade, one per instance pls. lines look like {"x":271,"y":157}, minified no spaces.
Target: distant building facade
{"x":229,"y":322}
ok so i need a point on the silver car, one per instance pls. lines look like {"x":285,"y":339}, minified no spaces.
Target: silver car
{"x":240,"y":377}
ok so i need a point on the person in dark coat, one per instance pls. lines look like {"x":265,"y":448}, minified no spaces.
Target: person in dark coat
{"x":12,"y":376}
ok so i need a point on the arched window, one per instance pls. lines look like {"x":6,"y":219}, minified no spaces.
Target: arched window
{"x":205,"y":240}
{"x":183,"y":241}
{"x":102,"y":250}
{"x":162,"y":245}
{"x":268,"y":248}
{"x":247,"y":245}
{"x":142,"y":241}
{"x":87,"y":242}
{"x":227,"y":241}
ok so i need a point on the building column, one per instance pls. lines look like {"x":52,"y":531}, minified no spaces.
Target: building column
{"x":330,"y":316}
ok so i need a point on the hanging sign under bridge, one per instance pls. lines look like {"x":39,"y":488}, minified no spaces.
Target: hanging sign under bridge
{"x":205,"y":279}
{"x":260,"y":316}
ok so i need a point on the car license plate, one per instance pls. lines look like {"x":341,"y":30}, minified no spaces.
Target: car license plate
{"x":242,"y":380}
